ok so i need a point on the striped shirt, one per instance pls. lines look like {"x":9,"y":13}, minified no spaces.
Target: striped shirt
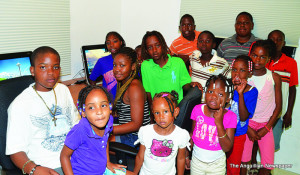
{"x":286,"y":67}
{"x":182,"y":46}
{"x":123,"y":111}
{"x":229,"y":48}
{"x":215,"y":66}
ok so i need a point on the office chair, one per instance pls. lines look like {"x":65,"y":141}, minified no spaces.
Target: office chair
{"x":9,"y":90}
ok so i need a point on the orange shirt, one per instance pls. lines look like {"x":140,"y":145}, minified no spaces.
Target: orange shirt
{"x":183,"y":46}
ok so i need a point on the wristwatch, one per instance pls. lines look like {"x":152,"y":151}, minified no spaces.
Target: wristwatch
{"x":33,"y":169}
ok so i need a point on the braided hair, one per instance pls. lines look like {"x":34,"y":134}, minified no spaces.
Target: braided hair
{"x":229,"y":88}
{"x":170,"y":97}
{"x":131,"y":55}
{"x":85,"y":92}
{"x":246,"y":59}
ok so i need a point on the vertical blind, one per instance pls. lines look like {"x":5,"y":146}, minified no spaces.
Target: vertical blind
{"x":218,"y":16}
{"x":28,"y":24}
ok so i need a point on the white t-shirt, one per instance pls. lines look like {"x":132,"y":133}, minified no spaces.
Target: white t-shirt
{"x":31,"y":129}
{"x":161,"y":150}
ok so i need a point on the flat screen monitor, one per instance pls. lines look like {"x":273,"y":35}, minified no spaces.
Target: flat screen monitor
{"x":90,"y":55}
{"x":14,"y":65}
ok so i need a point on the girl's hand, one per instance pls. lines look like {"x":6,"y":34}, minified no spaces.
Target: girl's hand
{"x":218,"y":115}
{"x":262,"y":132}
{"x":252,"y":134}
{"x":194,"y":84}
{"x":241,"y":87}
{"x":40,"y":170}
{"x":112,"y":166}
{"x":187,"y":163}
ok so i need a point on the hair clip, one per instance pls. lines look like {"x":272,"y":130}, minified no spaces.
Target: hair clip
{"x":214,"y":86}
{"x":83,"y":107}
{"x":80,"y":111}
{"x":164,"y":95}
{"x":225,"y":88}
{"x":77,"y":103}
{"x":232,"y":64}
{"x":110,"y":106}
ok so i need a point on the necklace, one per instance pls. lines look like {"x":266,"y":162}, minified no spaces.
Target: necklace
{"x":53,"y":113}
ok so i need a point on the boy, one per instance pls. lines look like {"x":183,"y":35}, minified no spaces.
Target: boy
{"x":239,"y":43}
{"x":40,"y":117}
{"x":184,"y":45}
{"x":286,"y":67}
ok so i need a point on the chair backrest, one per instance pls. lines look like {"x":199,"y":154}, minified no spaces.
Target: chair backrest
{"x":9,"y":90}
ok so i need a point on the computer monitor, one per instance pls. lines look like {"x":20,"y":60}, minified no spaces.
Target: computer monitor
{"x":90,"y":55}
{"x":14,"y":65}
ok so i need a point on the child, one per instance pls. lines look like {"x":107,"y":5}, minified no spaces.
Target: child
{"x":131,"y":100}
{"x":240,"y":42}
{"x":104,"y":66}
{"x":86,"y":147}
{"x":140,"y":60}
{"x":184,"y":45}
{"x":160,"y":71}
{"x":163,"y":141}
{"x":286,"y":67}
{"x":268,"y":106}
{"x":40,"y":117}
{"x":204,"y":61}
{"x":213,"y":128}
{"x":243,"y":105}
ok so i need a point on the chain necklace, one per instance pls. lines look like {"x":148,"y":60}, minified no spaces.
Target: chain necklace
{"x":53,"y":113}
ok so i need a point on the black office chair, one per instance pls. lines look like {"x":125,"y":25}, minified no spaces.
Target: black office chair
{"x":9,"y":90}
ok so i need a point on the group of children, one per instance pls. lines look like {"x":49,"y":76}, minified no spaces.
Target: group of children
{"x":235,"y":112}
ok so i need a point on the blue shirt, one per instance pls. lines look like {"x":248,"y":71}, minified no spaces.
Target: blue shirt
{"x":250,"y":98}
{"x":104,"y":66}
{"x":89,"y":156}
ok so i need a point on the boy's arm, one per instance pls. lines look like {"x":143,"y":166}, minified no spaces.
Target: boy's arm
{"x":139,"y":159}
{"x":180,"y":161}
{"x":278,"y":102}
{"x":65,"y":156}
{"x":20,"y":158}
{"x":287,"y":118}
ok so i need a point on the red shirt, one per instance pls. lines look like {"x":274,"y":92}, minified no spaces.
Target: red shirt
{"x":286,"y":67}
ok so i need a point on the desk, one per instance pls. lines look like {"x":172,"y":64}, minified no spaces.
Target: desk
{"x":74,"y":88}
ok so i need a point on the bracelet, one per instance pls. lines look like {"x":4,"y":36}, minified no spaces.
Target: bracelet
{"x":33,"y":169}
{"x":25,"y":165}
{"x":187,"y":157}
{"x":267,"y":128}
{"x":223,"y":136}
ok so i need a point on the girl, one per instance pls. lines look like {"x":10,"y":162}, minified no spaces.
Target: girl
{"x":104,"y":66}
{"x":131,"y":100}
{"x":162,"y":72}
{"x":204,"y":61}
{"x":268,"y":105}
{"x":163,"y":141}
{"x":243,"y":105}
{"x":86,"y":147}
{"x":213,"y":128}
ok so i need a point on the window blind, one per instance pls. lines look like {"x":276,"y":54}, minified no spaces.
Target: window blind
{"x":219,"y":16}
{"x":26,"y":25}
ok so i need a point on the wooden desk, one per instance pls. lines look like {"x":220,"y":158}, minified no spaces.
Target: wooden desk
{"x":74,"y":88}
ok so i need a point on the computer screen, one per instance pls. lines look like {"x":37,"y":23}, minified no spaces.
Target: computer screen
{"x":14,"y":65}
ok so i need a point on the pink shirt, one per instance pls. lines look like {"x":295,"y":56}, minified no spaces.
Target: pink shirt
{"x":266,"y":97}
{"x":205,"y":133}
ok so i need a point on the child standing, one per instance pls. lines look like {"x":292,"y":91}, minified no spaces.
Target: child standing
{"x":268,"y":106}
{"x":40,"y":117}
{"x":243,"y":105}
{"x":104,"y":66}
{"x":86,"y":147}
{"x":204,"y":61}
{"x":286,"y":67}
{"x":213,"y":128}
{"x":163,"y":141}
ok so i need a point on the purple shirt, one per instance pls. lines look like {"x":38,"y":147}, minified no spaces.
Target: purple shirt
{"x":104,"y":66}
{"x":205,"y":133}
{"x":89,"y":156}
